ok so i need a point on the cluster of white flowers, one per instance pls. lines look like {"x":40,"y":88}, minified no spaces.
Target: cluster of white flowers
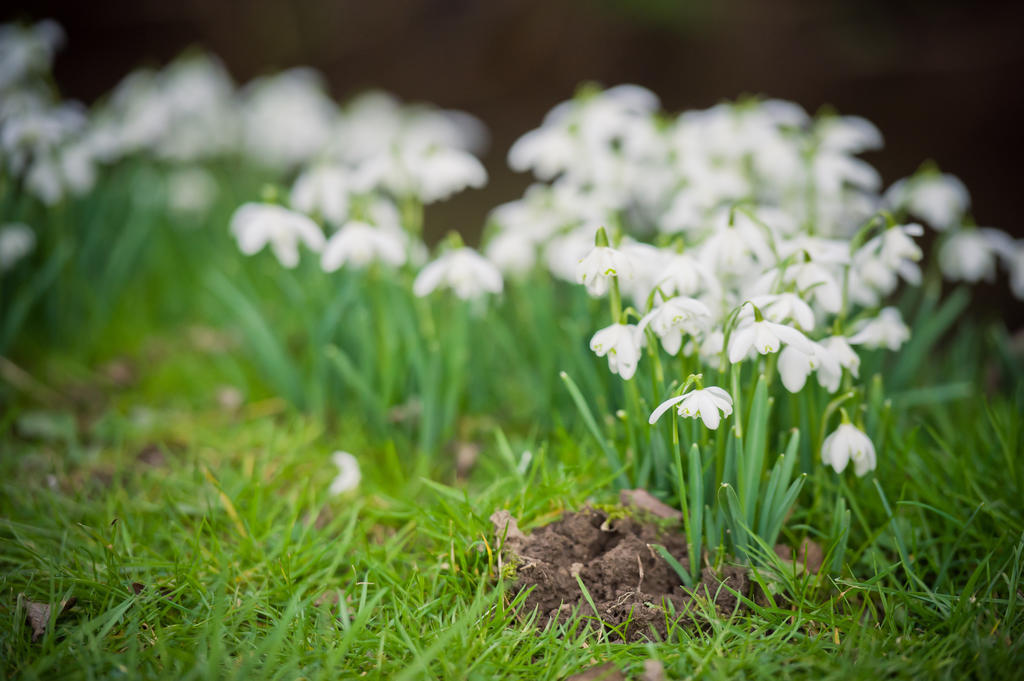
{"x":739,"y":231}
{"x":375,"y":160}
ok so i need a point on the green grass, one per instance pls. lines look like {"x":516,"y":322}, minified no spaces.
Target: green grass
{"x":251,"y":570}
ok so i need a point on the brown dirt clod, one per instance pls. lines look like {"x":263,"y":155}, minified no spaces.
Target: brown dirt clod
{"x":636,"y":593}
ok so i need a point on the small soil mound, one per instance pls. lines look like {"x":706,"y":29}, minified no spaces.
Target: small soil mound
{"x":637,"y":594}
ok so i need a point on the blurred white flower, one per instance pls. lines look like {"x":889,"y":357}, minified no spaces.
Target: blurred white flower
{"x":885,"y":330}
{"x":968,"y":255}
{"x":288,"y":118}
{"x":599,"y":265}
{"x":323,"y":190}
{"x":255,"y":225}
{"x":191,"y":191}
{"x":709,"y":404}
{"x":622,"y":344}
{"x":939,"y":199}
{"x":766,"y":337}
{"x":1014,"y":260}
{"x":466,"y":272}
{"x":674,"y":317}
{"x":17,"y":240}
{"x":847,"y":134}
{"x":360,"y":244}
{"x":882,"y":260}
{"x":27,"y":51}
{"x":429,"y":173}
{"x":349,"y":476}
{"x":513,"y":252}
{"x":847,"y":443}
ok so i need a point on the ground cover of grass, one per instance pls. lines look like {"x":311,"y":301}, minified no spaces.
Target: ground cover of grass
{"x":199,"y":541}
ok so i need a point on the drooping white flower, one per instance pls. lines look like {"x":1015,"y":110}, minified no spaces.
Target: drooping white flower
{"x":428,"y":173}
{"x":968,"y":255}
{"x":255,"y":225}
{"x":673,"y":318}
{"x":795,"y":365}
{"x":882,"y":260}
{"x":847,"y":443}
{"x":766,"y":337}
{"x":513,"y":252}
{"x":597,"y":268}
{"x":324,"y":190}
{"x":939,"y":199}
{"x":466,"y":272}
{"x":821,"y":285}
{"x":16,"y":241}
{"x":288,"y":117}
{"x":781,"y":308}
{"x":885,"y":330}
{"x":622,"y":344}
{"x":829,"y":375}
{"x":27,"y":51}
{"x":191,"y":191}
{"x":709,"y":404}
{"x":1014,"y":261}
{"x":348,"y":476}
{"x":360,"y":244}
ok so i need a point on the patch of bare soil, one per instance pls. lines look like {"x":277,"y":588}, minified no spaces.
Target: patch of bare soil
{"x":636,"y":593}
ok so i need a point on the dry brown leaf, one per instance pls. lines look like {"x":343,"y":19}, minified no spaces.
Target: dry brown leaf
{"x":605,"y":672}
{"x":38,"y":614}
{"x":653,"y":671}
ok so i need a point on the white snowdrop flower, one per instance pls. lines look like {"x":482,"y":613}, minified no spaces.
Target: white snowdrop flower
{"x":1013,"y":259}
{"x":682,"y":274}
{"x":848,"y":134}
{"x":830,"y":375}
{"x":323,"y":190}
{"x":349,"y":476}
{"x":885,"y":330}
{"x":795,"y":366}
{"x":832,"y":172}
{"x":939,"y":199}
{"x":429,"y":173}
{"x":255,"y":225}
{"x":622,"y":344}
{"x":968,"y":255}
{"x":287,"y":117}
{"x":710,"y":348}
{"x":466,"y":272}
{"x":782,"y":307}
{"x":879,"y":263}
{"x":736,"y":249}
{"x":27,"y":50}
{"x":200,"y":116}
{"x":546,"y":150}
{"x":766,"y":337}
{"x":674,"y":317}
{"x":513,"y":252}
{"x":17,"y":240}
{"x":563,"y":253}
{"x":191,"y":191}
{"x":709,"y":404}
{"x":359,"y":244}
{"x":848,"y":443}
{"x":441,"y":172}
{"x":596,"y":269}
{"x":821,"y":284}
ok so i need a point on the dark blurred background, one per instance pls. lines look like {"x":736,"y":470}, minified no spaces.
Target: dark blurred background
{"x":941,"y":78}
